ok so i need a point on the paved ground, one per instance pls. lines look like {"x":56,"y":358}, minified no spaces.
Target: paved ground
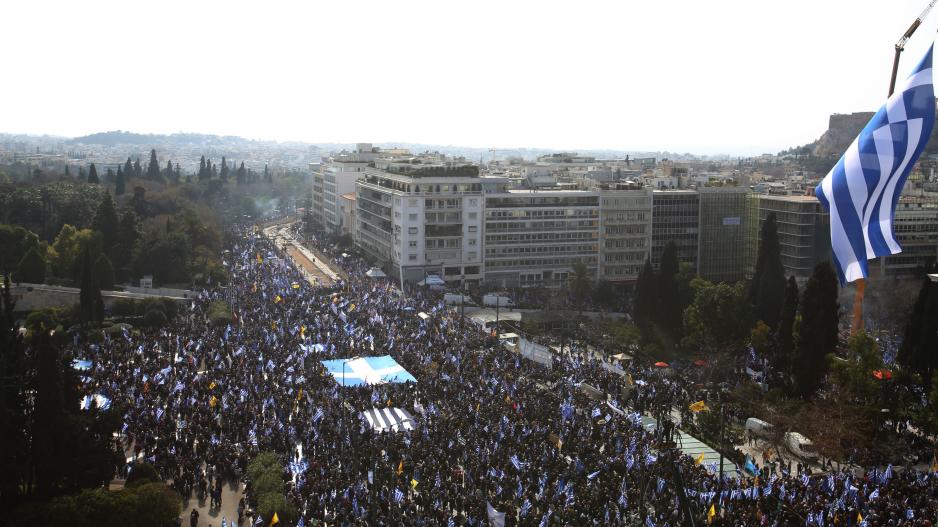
{"x":309,"y":267}
{"x":230,"y":495}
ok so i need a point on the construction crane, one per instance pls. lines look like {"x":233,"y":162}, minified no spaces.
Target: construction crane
{"x":900,"y":46}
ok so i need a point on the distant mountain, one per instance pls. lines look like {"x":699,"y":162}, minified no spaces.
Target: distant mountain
{"x":842,"y":129}
{"x":119,"y":137}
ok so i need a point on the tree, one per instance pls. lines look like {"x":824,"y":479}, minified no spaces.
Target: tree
{"x":818,"y":333}
{"x":128,"y":169}
{"x":718,"y":318}
{"x":49,"y":442}
{"x":177,"y":174}
{"x":105,"y":222}
{"x":580,"y":284}
{"x":604,"y":294}
{"x":139,"y":201}
{"x":32,"y":268}
{"x":138,"y":172}
{"x":93,"y":175}
{"x":13,"y":442}
{"x":153,"y":168}
{"x":241,"y":176}
{"x":104,"y":273}
{"x":202,"y":172}
{"x":767,"y":289}
{"x":224,"y":170}
{"x":69,"y":246}
{"x":90,"y":302}
{"x":168,"y":173}
{"x":120,"y":183}
{"x":785,"y":335}
{"x":127,"y":235}
{"x":109,"y":176}
{"x":919,"y":345}
{"x":645,"y":305}
{"x":670,"y":306}
{"x":267,"y":176}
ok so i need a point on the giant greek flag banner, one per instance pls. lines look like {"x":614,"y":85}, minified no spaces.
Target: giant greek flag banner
{"x":863,"y":188}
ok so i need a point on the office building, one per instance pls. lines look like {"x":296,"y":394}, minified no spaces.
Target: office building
{"x":625,"y":232}
{"x":724,"y":233}
{"x":675,"y":218}
{"x":803,"y":231}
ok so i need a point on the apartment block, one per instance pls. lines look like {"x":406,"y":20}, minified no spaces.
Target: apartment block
{"x":803,"y":231}
{"x":625,"y":232}
{"x":535,"y":238}
{"x":725,"y":232}
{"x":675,"y":217}
{"x":337,"y":176}
{"x":422,"y":215}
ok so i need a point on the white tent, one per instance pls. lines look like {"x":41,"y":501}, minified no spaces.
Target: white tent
{"x":374,"y":272}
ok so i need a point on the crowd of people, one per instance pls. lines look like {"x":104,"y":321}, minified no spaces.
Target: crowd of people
{"x":498,"y":439}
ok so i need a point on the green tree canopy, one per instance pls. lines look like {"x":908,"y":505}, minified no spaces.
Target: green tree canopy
{"x":645,"y":304}
{"x":32,"y":268}
{"x":106,"y":222}
{"x":718,"y":318}
{"x":69,"y":245}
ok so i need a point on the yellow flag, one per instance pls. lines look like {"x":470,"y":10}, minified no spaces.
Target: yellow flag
{"x":300,"y":396}
{"x":859,"y":517}
{"x":213,"y":401}
{"x":477,"y":407}
{"x":699,"y":406}
{"x":211,"y":386}
{"x":699,"y":459}
{"x":273,"y":325}
{"x":507,"y":400}
{"x":259,"y":259}
{"x":254,"y":287}
{"x":711,"y":513}
{"x":413,"y":483}
{"x":351,"y":308}
{"x":389,"y":403}
{"x":277,"y":300}
{"x":296,"y":285}
{"x":934,"y":464}
{"x":631,"y":382}
{"x":275,"y":520}
{"x":400,"y":467}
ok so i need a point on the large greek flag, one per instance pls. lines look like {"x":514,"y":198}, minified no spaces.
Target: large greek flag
{"x":863,"y":188}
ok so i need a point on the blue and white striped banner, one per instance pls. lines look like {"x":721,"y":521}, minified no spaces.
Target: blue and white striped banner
{"x":863,"y":188}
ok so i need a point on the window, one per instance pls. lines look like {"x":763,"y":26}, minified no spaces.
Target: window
{"x":473,"y":228}
{"x":472,"y":241}
{"x":473,"y":215}
{"x":412,"y":202}
{"x":473,"y":201}
{"x":412,"y":257}
{"x":473,"y":255}
{"x":412,"y":243}
{"x":412,"y":217}
{"x":412,"y":230}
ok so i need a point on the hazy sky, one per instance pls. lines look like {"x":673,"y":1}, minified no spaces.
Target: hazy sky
{"x":717,"y":76}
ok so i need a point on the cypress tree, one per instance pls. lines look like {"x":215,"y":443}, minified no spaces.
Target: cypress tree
{"x":128,"y":169}
{"x":104,"y":273}
{"x":919,"y":350}
{"x":32,"y":267}
{"x":90,"y":302}
{"x":105,"y":221}
{"x":267,"y":177}
{"x":168,"y":172}
{"x":153,"y":168}
{"x":127,"y":235}
{"x":66,"y":170}
{"x":109,"y":176}
{"x":224,"y":170}
{"x":49,"y":440}
{"x":818,"y":332}
{"x":241,"y":176}
{"x":81,"y":174}
{"x":93,"y":174}
{"x":767,"y":290}
{"x":202,"y":172}
{"x":14,"y":450}
{"x":786,"y":327}
{"x":670,"y":308}
{"x":214,"y":172}
{"x":120,"y":184}
{"x":645,"y":304}
{"x":138,"y":172}
{"x":177,"y":174}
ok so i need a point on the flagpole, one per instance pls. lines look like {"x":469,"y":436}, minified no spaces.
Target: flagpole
{"x":857,"y":324}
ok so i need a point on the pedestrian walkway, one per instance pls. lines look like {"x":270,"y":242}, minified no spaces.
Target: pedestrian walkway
{"x":693,"y":447}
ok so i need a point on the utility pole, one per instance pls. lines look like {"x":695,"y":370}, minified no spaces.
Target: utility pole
{"x":722,"y":437}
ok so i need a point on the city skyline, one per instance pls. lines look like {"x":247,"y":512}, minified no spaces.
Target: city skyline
{"x":520,"y":76}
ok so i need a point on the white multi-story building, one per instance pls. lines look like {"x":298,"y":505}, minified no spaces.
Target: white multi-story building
{"x":422,"y":215}
{"x":536,"y":238}
{"x":625,"y":231}
{"x":337,"y":176}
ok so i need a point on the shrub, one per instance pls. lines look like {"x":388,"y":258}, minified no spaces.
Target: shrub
{"x":219,"y":314}
{"x":154,"y":318}
{"x":141,"y":473}
{"x":32,"y":268}
{"x":268,"y":504}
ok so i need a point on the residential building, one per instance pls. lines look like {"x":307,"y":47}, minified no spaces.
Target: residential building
{"x":422,"y":215}
{"x":535,"y":238}
{"x":625,"y":232}
{"x":675,"y":218}
{"x":347,"y":216}
{"x":916,"y":228}
{"x":803,"y":231}
{"x":725,"y":225}
{"x":336,"y":177}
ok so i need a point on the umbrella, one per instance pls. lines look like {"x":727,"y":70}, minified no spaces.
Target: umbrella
{"x":374,"y":272}
{"x":700,"y":362}
{"x":883,"y":375}
{"x":661,"y":364}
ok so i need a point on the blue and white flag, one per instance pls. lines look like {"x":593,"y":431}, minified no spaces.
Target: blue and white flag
{"x":398,"y":495}
{"x":863,"y":188}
